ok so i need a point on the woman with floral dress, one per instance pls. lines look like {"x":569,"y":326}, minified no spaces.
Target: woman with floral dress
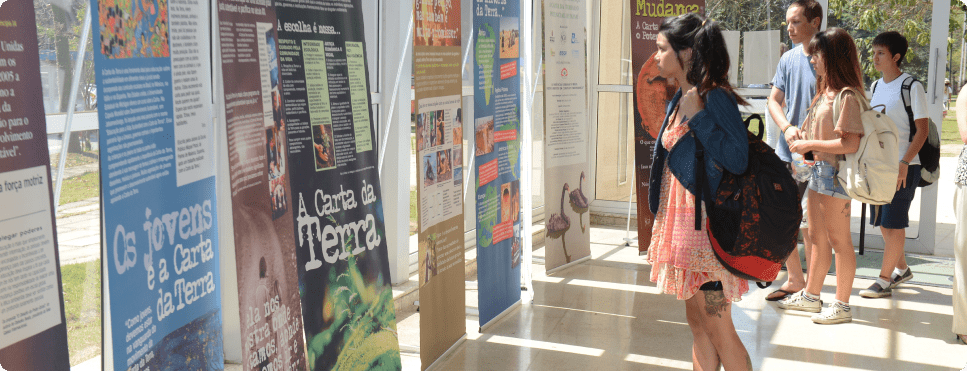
{"x":692,"y":51}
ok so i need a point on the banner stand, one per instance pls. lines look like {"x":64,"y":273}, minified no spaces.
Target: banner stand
{"x":568,"y":265}
{"x":447,"y":354}
{"x":496,"y":319}
{"x":628,"y":239}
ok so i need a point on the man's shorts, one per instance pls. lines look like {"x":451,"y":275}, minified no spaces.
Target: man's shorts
{"x":896,"y":214}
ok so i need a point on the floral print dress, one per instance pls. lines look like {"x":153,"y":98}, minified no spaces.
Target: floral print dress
{"x":682,"y":258}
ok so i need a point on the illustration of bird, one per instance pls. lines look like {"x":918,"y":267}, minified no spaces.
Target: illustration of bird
{"x":559,"y":222}
{"x":577,"y":196}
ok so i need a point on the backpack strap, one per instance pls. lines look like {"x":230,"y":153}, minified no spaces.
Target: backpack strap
{"x":701,"y":186}
{"x":873,"y":88}
{"x":907,"y":103}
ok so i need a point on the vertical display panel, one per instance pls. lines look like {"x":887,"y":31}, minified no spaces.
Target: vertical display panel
{"x":497,"y":147}
{"x":31,"y":299}
{"x":265,"y":255}
{"x":651,"y":93}
{"x":439,"y":153}
{"x":348,"y":313}
{"x":158,"y":200}
{"x":568,"y":223}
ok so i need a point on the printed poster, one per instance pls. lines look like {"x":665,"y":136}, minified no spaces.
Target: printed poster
{"x":157,"y":185}
{"x":31,"y":299}
{"x":265,"y":253}
{"x":439,"y":149}
{"x":348,"y":313}
{"x":497,"y":149}
{"x":651,"y":93}
{"x":567,"y":132}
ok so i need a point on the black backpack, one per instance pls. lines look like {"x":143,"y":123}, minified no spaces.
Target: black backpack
{"x":753,"y":218}
{"x":930,"y":152}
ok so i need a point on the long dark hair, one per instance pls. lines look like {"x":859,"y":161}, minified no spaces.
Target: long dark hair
{"x":710,"y":58}
{"x":840,"y":59}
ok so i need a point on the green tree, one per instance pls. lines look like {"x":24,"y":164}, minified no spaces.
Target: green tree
{"x":59,"y":26}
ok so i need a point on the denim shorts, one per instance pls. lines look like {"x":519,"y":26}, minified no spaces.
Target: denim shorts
{"x":896,"y":214}
{"x":823,"y":181}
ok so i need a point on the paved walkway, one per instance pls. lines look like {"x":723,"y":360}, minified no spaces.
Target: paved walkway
{"x":79,"y":231}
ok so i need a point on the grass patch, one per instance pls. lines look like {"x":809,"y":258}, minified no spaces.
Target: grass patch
{"x":414,"y":211}
{"x":80,"y":188}
{"x":74,"y":159}
{"x":82,"y":307}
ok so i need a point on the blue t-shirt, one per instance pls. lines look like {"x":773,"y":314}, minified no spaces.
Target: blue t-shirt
{"x":797,"y":80}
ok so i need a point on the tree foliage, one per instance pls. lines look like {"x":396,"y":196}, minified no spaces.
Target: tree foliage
{"x":864,"y":19}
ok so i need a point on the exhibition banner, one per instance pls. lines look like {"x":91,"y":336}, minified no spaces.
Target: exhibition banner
{"x":265,"y":251}
{"x":439,"y":153}
{"x":567,"y":132}
{"x":31,"y":296}
{"x":340,"y":238}
{"x":161,"y":283}
{"x":497,"y":148}
{"x":651,"y":93}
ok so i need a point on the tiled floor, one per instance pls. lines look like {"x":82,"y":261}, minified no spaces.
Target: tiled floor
{"x":605,"y":314}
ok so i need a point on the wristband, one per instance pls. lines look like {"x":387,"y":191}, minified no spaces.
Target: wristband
{"x":787,"y":128}
{"x":902,"y":161}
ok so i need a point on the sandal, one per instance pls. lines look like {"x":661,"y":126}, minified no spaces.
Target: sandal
{"x":785,"y":294}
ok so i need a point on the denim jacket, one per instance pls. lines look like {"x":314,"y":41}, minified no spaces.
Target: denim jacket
{"x":721,"y":131}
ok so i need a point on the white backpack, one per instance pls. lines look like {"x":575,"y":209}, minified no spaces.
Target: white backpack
{"x":870,"y":174}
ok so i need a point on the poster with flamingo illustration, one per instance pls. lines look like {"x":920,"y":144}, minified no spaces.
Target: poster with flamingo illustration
{"x":567,"y":224}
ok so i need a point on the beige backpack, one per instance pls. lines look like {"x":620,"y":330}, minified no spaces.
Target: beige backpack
{"x":870,"y":174}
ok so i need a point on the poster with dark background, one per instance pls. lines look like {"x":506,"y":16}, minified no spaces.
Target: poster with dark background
{"x":265,"y":255}
{"x":340,"y":242}
{"x":651,"y":93}
{"x":31,"y":296}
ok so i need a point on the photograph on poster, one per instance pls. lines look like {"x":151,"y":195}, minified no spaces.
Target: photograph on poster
{"x":322,"y":142}
{"x":457,"y":159}
{"x":458,"y":127}
{"x":484,"y":135}
{"x":515,"y":248}
{"x":653,"y":93}
{"x":440,"y":128}
{"x":444,"y":166}
{"x":428,"y":258}
{"x":133,"y":28}
{"x":429,"y":169}
{"x":422,"y":137}
{"x":458,"y":176}
{"x":509,"y":37}
{"x":510,"y":201}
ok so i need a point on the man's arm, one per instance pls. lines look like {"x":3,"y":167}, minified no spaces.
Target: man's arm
{"x":776,"y":100}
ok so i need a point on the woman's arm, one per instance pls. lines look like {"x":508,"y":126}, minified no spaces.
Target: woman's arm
{"x":849,"y":143}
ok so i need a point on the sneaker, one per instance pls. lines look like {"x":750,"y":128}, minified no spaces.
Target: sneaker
{"x":898,"y":279}
{"x":834,"y":313}
{"x":875,"y":291}
{"x":799,"y":301}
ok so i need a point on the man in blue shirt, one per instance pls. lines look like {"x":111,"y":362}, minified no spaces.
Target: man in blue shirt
{"x":795,"y":86}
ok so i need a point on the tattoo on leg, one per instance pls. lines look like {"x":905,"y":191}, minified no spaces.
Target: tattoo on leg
{"x":846,"y":209}
{"x":715,"y":303}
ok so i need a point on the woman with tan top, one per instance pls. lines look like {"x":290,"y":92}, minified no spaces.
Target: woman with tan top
{"x":833,"y":55}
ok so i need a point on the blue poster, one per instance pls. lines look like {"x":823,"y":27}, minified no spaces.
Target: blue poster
{"x":497,"y":150}
{"x":157,"y":185}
